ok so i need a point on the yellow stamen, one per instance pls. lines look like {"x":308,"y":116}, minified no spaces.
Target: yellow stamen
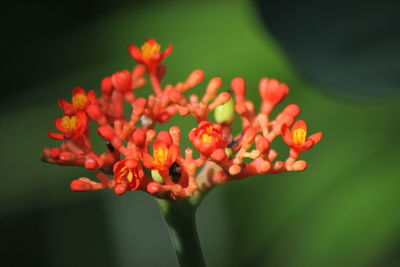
{"x":127,"y":173}
{"x":205,"y":138}
{"x":160,"y":155}
{"x":149,"y":50}
{"x":69,"y":123}
{"x":79,"y":100}
{"x":299,"y":136}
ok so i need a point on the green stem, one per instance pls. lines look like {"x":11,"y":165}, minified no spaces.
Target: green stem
{"x":180,"y":217}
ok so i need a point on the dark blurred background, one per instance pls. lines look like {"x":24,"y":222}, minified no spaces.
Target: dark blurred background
{"x":340,"y":59}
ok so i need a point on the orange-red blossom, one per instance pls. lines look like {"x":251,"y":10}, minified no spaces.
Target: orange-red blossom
{"x":136,"y":156}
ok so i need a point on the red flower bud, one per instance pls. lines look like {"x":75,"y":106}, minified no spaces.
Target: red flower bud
{"x":122,"y":81}
{"x":139,"y":137}
{"x":80,"y":186}
{"x":106,"y":86}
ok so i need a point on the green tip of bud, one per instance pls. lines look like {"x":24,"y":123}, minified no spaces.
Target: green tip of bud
{"x":156,"y":176}
{"x":225,"y":113}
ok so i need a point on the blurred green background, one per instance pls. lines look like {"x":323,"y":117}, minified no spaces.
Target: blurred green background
{"x":341,"y":211}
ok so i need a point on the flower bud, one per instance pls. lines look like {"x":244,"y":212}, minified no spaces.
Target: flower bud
{"x":94,"y":111}
{"x":122,"y":81}
{"x":80,"y":186}
{"x":139,"y":137}
{"x":106,"y":132}
{"x":106,"y":86}
{"x":195,"y":78}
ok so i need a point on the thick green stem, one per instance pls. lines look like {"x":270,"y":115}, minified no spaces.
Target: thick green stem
{"x":180,"y":217}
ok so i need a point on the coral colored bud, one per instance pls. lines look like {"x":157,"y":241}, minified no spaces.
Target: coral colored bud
{"x":272,"y":91}
{"x":153,"y":188}
{"x":225,"y":113}
{"x":120,"y":189}
{"x":262,"y":144}
{"x":94,"y":111}
{"x":139,"y":137}
{"x":80,"y":186}
{"x":165,"y":137}
{"x":106,"y":132}
{"x":122,"y":81}
{"x":91,"y":164}
{"x":222,"y":98}
{"x":213,"y":86}
{"x":106,"y":86}
{"x":55,"y":152}
{"x":292,"y":110}
{"x":138,"y":71}
{"x":265,"y":166}
{"x":219,"y":155}
{"x":299,"y":165}
{"x":249,"y":136}
{"x":235,"y":169}
{"x":239,"y":87}
{"x":195,"y":78}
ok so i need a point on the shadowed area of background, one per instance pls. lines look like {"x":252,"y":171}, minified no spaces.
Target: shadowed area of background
{"x":342,"y":211}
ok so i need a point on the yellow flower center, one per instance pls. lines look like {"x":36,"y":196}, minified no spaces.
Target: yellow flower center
{"x":299,"y":136}
{"x":160,"y":155}
{"x":126,"y":173}
{"x":149,"y":50}
{"x":69,"y":123}
{"x":205,"y":138}
{"x":79,"y":101}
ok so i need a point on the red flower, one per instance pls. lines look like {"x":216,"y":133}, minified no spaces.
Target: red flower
{"x":164,"y":156}
{"x":80,"y":100}
{"x":149,"y":54}
{"x":296,"y":139}
{"x":207,"y":138}
{"x":164,"y":153}
{"x":127,"y":175}
{"x":72,"y":127}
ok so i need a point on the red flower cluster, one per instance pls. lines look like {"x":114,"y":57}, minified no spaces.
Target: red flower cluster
{"x":139,"y":158}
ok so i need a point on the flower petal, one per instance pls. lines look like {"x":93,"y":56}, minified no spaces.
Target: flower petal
{"x":316,"y":137}
{"x":300,"y":124}
{"x":56,"y":136}
{"x":287,"y":135}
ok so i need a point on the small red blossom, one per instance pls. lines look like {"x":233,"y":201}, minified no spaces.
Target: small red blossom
{"x":80,"y":100}
{"x":128,"y":174}
{"x":207,"y":137}
{"x":132,"y":146}
{"x":71,"y":127}
{"x":296,"y":138}
{"x":149,"y":53}
{"x":164,"y":156}
{"x":164,"y":153}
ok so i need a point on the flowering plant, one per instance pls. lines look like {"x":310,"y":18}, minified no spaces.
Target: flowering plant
{"x":139,"y":158}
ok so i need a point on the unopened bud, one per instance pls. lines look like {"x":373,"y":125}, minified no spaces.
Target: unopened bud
{"x":106,"y":132}
{"x":195,"y":78}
